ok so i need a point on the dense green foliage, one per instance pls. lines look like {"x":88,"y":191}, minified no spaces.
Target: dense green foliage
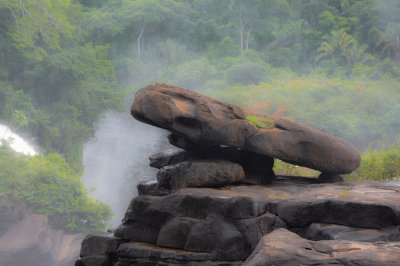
{"x":48,"y":185}
{"x":54,"y":82}
{"x":332,"y":64}
{"x":363,"y":112}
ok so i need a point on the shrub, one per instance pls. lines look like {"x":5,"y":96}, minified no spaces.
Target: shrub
{"x":378,"y":165}
{"x":49,"y":186}
{"x":246,"y":73}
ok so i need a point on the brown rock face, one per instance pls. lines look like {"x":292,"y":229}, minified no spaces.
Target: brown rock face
{"x":282,"y":247}
{"x":204,"y":121}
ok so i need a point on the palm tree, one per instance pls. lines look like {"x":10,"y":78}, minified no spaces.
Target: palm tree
{"x":339,"y":44}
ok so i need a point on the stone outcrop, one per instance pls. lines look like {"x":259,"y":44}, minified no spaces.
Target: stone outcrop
{"x":217,"y":201}
{"x":32,"y":241}
{"x":204,"y":121}
{"x":238,"y":225}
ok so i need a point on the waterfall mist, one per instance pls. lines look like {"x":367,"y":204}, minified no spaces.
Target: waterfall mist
{"x":116,"y":159}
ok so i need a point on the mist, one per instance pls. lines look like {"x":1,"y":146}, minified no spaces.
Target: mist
{"x":116,"y":159}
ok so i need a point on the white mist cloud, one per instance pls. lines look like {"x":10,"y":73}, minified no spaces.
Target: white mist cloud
{"x":116,"y":158}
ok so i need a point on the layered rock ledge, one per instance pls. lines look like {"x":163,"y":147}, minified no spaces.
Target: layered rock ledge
{"x":327,"y":224}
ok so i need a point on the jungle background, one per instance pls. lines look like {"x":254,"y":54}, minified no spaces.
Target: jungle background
{"x":330,"y":64}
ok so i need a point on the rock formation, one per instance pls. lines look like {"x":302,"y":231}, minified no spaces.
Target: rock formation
{"x":206,"y":122}
{"x":217,"y":201}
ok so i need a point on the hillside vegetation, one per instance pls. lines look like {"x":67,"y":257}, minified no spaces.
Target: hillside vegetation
{"x":331,"y":64}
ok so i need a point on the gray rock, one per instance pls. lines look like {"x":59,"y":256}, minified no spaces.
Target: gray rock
{"x":99,"y":244}
{"x":148,"y":254}
{"x":200,"y":173}
{"x":218,"y":237}
{"x":95,"y":260}
{"x":151,"y":188}
{"x":282,"y":247}
{"x":175,"y":232}
{"x":224,"y":226}
{"x":169,"y":157}
{"x":318,"y":231}
{"x":145,"y":250}
{"x":254,"y":228}
{"x":330,"y":178}
{"x":258,"y":168}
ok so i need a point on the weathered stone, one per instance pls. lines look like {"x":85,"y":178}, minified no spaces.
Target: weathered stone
{"x":145,"y":250}
{"x":142,"y":221}
{"x":298,"y":204}
{"x":318,"y":231}
{"x":95,"y":260}
{"x":175,"y":232}
{"x":218,"y":237}
{"x":254,"y":228}
{"x":282,"y":247}
{"x":200,"y":173}
{"x":204,"y":121}
{"x":258,"y":168}
{"x":330,"y":178}
{"x":145,"y":254}
{"x":99,"y":244}
{"x":169,"y":157}
{"x":151,"y":188}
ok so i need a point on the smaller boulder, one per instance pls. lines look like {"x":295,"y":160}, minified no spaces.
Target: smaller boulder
{"x":169,"y":157}
{"x":200,"y":173}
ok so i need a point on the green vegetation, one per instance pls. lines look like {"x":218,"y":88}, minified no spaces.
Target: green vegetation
{"x":48,"y":185}
{"x":282,"y":168}
{"x":260,"y":122}
{"x":331,"y":64}
{"x":379,"y":165}
{"x":363,"y":112}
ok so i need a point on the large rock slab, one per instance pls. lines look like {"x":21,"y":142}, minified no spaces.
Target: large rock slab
{"x":204,"y":121}
{"x":227,"y":223}
{"x":147,"y":254}
{"x":327,"y":224}
{"x":318,"y":231}
{"x":282,"y":247}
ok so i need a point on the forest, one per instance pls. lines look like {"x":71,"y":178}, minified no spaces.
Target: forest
{"x":330,"y":64}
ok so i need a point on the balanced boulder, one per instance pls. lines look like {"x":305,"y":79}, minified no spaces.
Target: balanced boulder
{"x":204,"y":121}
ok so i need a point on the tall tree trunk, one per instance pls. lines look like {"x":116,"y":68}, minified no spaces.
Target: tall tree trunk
{"x":248,"y":36}
{"x":139,"y":44}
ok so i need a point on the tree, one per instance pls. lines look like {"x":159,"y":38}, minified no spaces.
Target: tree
{"x":337,"y":45}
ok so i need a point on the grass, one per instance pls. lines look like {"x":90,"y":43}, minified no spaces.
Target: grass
{"x":260,"y":122}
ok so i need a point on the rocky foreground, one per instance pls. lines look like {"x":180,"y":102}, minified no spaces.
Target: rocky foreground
{"x":217,"y":201}
{"x":289,"y":222}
